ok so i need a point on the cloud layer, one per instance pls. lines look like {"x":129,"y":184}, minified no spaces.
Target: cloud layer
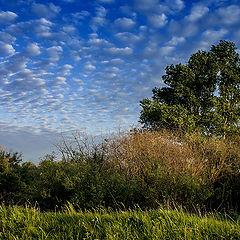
{"x":73,"y":65}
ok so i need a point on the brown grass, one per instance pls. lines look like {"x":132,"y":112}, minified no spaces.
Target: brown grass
{"x":141,"y":152}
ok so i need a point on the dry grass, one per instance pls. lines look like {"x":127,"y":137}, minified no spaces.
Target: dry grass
{"x":141,"y":152}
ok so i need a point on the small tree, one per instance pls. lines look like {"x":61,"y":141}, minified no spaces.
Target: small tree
{"x":203,"y":94}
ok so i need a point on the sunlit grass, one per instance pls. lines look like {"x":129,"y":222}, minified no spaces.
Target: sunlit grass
{"x":30,"y":223}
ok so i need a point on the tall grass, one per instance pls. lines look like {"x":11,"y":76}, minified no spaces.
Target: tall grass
{"x":29,"y":223}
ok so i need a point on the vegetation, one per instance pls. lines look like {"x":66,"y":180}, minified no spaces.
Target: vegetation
{"x":204,"y":94}
{"x":29,"y":223}
{"x":144,"y":168}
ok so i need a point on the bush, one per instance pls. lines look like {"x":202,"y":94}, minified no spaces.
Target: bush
{"x":144,"y":168}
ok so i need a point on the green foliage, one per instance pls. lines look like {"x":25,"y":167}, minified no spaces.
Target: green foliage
{"x":143,"y":168}
{"x":203,"y":94}
{"x":10,"y":183}
{"x":30,"y":223}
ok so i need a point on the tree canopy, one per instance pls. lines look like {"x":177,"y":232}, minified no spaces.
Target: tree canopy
{"x":202,"y":94}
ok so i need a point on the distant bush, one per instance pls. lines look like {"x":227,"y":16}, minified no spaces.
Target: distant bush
{"x":147,"y":168}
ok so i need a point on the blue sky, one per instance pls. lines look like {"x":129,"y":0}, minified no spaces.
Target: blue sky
{"x":84,"y":65}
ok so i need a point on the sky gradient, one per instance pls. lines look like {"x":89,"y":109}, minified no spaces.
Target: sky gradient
{"x":84,"y":65}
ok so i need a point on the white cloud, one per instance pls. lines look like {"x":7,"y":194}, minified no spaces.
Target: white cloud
{"x":25,"y":81}
{"x":69,"y":28}
{"x":7,"y":17}
{"x":54,"y":53}
{"x":98,"y":42}
{"x":125,"y":23}
{"x":81,"y":15}
{"x":128,"y":37}
{"x":54,"y":8}
{"x":45,"y":11}
{"x":60,"y":80}
{"x":145,"y":5}
{"x":230,"y":14}
{"x":158,"y":21}
{"x":197,"y":12}
{"x":184,"y":28}
{"x":32,"y":50}
{"x":175,"y":5}
{"x":16,"y":63}
{"x":66,"y":70}
{"x":45,"y":22}
{"x":119,"y":51}
{"x":176,"y":40}
{"x":211,"y":36}
{"x":6,"y":37}
{"x":100,"y":19}
{"x":97,"y":22}
{"x":6,"y":49}
{"x":89,"y":66}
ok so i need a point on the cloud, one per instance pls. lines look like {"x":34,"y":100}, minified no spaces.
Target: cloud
{"x":158,"y":21}
{"x":167,"y":50}
{"x":97,"y":42}
{"x":32,"y":50}
{"x":40,"y":27}
{"x":99,"y":20}
{"x":6,"y":37}
{"x":65,"y":70}
{"x":89,"y":66}
{"x":117,"y":54}
{"x":210,"y":37}
{"x":45,"y":11}
{"x":230,"y":15}
{"x":81,"y":15}
{"x":175,"y":5}
{"x":176,"y":40}
{"x":119,"y":51}
{"x":184,"y":28}
{"x":145,"y":5}
{"x":15,"y":63}
{"x":54,"y":53}
{"x":125,"y":23}
{"x":6,"y":49}
{"x":60,"y":81}
{"x":7,"y":17}
{"x":128,"y":38}
{"x":25,"y":81}
{"x":197,"y":12}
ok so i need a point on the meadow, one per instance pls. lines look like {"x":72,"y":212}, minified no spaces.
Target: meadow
{"x":30,"y":223}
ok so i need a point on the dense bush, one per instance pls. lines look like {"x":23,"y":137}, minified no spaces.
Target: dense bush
{"x":140,"y":167}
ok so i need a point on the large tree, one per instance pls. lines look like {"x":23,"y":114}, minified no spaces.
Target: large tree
{"x":203,"y":94}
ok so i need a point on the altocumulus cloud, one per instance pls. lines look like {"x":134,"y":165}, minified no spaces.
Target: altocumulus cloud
{"x":84,"y":65}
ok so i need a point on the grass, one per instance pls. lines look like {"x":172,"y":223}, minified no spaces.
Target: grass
{"x":29,"y":223}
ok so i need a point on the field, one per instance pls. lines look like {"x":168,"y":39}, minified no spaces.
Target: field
{"x":29,"y":223}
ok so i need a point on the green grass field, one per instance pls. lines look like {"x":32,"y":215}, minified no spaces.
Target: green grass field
{"x":29,"y":223}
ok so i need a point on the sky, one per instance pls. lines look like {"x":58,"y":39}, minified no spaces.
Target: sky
{"x":84,"y":65}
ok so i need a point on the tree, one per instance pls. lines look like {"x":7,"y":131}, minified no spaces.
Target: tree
{"x":203,"y":94}
{"x":10,"y":182}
